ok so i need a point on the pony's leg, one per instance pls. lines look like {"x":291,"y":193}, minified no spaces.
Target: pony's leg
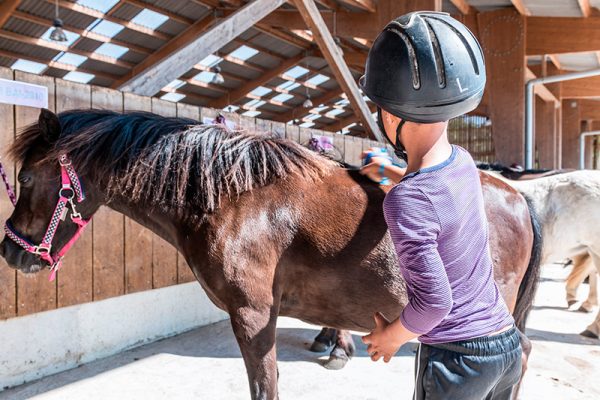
{"x":324,"y":340}
{"x":592,"y":299}
{"x":342,"y":352}
{"x":255,"y":331}
{"x":593,"y":330}
{"x":581,"y":265}
{"x":526,"y":347}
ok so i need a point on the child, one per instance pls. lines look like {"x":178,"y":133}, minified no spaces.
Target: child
{"x":424,"y":69}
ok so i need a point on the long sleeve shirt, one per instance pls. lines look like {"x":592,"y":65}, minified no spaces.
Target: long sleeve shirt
{"x":437,"y":222}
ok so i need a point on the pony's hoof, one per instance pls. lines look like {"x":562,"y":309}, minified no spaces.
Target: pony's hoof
{"x":570,"y":303}
{"x":584,"y":310}
{"x":319,"y":347}
{"x":589,"y":334}
{"x":336,"y":363}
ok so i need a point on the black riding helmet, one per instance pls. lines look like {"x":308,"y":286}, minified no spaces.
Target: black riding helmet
{"x":425,"y":67}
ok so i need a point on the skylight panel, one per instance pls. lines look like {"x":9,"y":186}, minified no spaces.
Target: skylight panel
{"x":244,"y":52}
{"x":342,"y":102}
{"x":334,"y":112}
{"x":71,"y":59}
{"x":317,"y":79}
{"x":111,"y":50}
{"x":296,"y":72}
{"x":29,"y":66}
{"x":288,"y":85}
{"x":312,"y":117}
{"x":101,"y":5}
{"x":283,"y":97}
{"x":106,"y":28}
{"x":252,"y":113}
{"x":204,"y":76}
{"x":71,"y":37}
{"x":149,"y":18}
{"x":76,"y":76}
{"x":175,"y":84}
{"x":174,"y":97}
{"x":261,"y":91}
{"x":210,"y":61}
{"x":307,"y":124}
{"x":254,"y":103}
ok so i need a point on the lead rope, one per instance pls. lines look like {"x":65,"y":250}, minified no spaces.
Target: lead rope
{"x":9,"y":188}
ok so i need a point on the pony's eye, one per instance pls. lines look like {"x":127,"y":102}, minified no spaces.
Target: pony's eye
{"x":24,"y":179}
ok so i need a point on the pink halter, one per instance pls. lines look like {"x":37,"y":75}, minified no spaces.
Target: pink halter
{"x":70,"y":187}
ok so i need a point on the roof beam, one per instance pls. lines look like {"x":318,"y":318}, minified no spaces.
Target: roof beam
{"x":6,"y":9}
{"x":462,"y":6}
{"x":586,"y":9}
{"x":97,"y":14}
{"x":243,"y":90}
{"x":589,"y":109}
{"x":322,"y":36}
{"x":59,"y":47}
{"x":518,"y":4}
{"x":547,"y":35}
{"x":82,"y":32}
{"x":300,"y":110}
{"x":581,"y":88}
{"x":367,"y":5}
{"x":152,"y":78}
{"x":165,"y":51}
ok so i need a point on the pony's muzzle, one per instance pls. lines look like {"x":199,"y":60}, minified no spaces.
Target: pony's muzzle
{"x":18,"y":258}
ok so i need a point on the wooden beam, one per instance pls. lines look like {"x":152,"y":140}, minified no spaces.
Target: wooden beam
{"x":59,"y":47}
{"x":166,"y":51}
{"x":541,"y":90}
{"x":6,"y":9}
{"x":462,"y":6}
{"x":367,"y":5}
{"x":518,"y":4}
{"x":56,"y":64}
{"x":157,"y":75}
{"x":581,"y":88}
{"x":300,"y":110}
{"x":243,"y":90}
{"x":589,"y":110}
{"x":82,"y":32}
{"x":553,"y":35}
{"x":344,"y":77}
{"x":586,"y":9}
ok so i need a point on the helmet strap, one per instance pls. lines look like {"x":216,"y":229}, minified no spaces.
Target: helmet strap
{"x":399,"y":149}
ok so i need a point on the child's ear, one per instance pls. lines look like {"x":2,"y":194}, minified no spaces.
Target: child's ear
{"x":49,"y":125}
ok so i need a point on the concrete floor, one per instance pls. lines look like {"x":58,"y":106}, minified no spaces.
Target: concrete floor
{"x":205,"y":364}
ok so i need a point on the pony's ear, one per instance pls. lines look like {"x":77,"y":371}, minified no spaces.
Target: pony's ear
{"x":49,"y":125}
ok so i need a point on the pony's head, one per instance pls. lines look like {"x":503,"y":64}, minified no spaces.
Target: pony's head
{"x":41,"y":187}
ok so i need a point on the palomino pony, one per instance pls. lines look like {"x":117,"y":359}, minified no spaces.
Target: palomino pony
{"x":567,"y":205}
{"x":268,"y":227}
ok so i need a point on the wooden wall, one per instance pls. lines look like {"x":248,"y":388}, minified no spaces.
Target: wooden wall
{"x":115,"y":255}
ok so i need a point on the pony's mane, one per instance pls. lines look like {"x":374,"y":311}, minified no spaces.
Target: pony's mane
{"x":171,"y":162}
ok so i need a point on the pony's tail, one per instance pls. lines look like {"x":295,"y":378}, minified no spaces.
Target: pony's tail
{"x":529,"y":284}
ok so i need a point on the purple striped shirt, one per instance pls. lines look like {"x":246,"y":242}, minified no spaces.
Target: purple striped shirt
{"x":437,"y":222}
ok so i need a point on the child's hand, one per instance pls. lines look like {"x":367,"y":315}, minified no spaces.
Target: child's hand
{"x":385,"y":340}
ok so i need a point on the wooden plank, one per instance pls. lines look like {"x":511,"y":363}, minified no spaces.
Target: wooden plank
{"x":590,"y":110}
{"x":586,"y":9}
{"x":521,"y":8}
{"x":546,"y":35}
{"x":164,"y":256}
{"x":462,"y":6}
{"x":331,"y":52}
{"x":352,"y":150}
{"x":292,"y":132}
{"x":571,"y":129}
{"x":6,"y":9}
{"x":8,"y":276}
{"x":545,"y":139}
{"x":108,"y":229}
{"x":138,"y":239}
{"x":156,"y":76}
{"x":503,"y":41}
{"x":367,"y":5}
{"x":277,"y":129}
{"x":34,"y":292}
{"x":304,"y":136}
{"x":247,"y":124}
{"x":581,"y":88}
{"x":75,"y":279}
{"x":184,"y":273}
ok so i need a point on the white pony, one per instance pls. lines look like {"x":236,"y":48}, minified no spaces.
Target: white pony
{"x":568,"y":205}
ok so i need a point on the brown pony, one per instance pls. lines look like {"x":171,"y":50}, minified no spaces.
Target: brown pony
{"x":268,"y":227}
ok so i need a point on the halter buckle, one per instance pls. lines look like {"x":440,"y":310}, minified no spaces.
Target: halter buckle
{"x":60,"y":193}
{"x":64,"y":161}
{"x":40,"y":250}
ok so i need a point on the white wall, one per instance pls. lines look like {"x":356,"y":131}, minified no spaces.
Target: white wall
{"x":45,"y":343}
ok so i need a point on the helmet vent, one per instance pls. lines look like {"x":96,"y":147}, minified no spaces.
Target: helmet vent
{"x":464,"y":41}
{"x":437,"y":53}
{"x":416,"y":79}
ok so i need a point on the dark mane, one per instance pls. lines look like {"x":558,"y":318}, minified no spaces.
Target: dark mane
{"x":171,"y":162}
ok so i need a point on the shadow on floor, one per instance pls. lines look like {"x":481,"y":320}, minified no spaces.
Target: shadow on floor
{"x":570,"y":338}
{"x":212,"y":341}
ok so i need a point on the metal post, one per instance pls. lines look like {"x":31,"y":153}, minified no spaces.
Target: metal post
{"x":582,"y":146}
{"x":529,"y":86}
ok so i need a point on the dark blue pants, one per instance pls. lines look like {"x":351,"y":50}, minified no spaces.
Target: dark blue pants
{"x":482,"y":368}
